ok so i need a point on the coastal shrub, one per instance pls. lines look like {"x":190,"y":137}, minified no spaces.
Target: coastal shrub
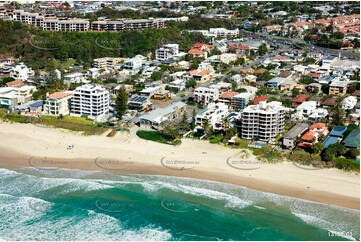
{"x":347,"y":164}
{"x":157,"y":137}
{"x":79,"y":124}
{"x":216,"y":139}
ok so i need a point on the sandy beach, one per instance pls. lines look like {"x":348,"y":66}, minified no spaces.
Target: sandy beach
{"x":27,"y":145}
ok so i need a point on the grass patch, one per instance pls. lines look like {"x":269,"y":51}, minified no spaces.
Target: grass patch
{"x":157,"y":137}
{"x":347,"y":164}
{"x":79,"y":124}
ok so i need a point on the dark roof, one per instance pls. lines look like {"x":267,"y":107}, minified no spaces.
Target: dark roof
{"x":37,"y":104}
{"x":338,"y":131}
{"x":353,"y":139}
{"x":331,"y":102}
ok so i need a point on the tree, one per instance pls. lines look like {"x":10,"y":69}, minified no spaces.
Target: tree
{"x":306,"y":80}
{"x":206,"y":126}
{"x":352,"y":153}
{"x":337,"y":35}
{"x":157,"y":75}
{"x":191,"y":83}
{"x":121,"y":102}
{"x":328,"y":155}
{"x":194,"y":114}
{"x":317,"y":148}
{"x":6,"y":80}
{"x":262,"y":50}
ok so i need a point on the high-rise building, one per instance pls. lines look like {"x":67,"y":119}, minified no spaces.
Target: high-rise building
{"x":263,"y":121}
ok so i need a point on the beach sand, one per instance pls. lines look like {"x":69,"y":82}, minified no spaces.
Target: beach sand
{"x":27,"y":145}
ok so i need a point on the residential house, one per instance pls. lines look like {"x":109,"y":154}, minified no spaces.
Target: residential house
{"x":155,"y":119}
{"x":139,"y":102}
{"x":215,"y":113}
{"x":22,"y":72}
{"x":57,"y":103}
{"x":289,"y":139}
{"x":313,"y":134}
{"x":226,"y":97}
{"x":275,"y":83}
{"x":335,"y":136}
{"x":206,"y":95}
{"x":353,"y":139}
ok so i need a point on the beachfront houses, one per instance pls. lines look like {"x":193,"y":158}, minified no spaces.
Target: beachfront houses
{"x":22,"y":72}
{"x":214,"y":113}
{"x":290,"y":138}
{"x":263,"y":121}
{"x":157,"y":118}
{"x":90,"y":100}
{"x":13,"y":96}
{"x":57,"y":103}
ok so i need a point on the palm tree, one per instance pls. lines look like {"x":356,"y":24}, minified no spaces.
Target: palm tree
{"x":206,"y":127}
{"x":226,"y":123}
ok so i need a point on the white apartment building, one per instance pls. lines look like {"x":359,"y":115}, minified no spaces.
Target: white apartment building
{"x":206,"y":95}
{"x":217,"y":32}
{"x":178,"y":83}
{"x":166,"y":52}
{"x":90,"y":100}
{"x":263,"y":121}
{"x":22,"y":72}
{"x":75,"y":77}
{"x":57,"y":103}
{"x":215,"y":113}
{"x":134,"y":63}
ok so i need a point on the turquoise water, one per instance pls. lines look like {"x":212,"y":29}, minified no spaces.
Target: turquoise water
{"x":89,"y":205}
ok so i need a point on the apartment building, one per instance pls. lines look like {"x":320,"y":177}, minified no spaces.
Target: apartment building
{"x":134,"y":63}
{"x":166,"y":52}
{"x":50,"y":22}
{"x":90,"y":100}
{"x":131,"y":24}
{"x":338,"y":87}
{"x":57,"y":103}
{"x":215,"y":113}
{"x":206,"y":95}
{"x":21,"y":72}
{"x":240,"y":101}
{"x":105,"y":62}
{"x":263,"y":121}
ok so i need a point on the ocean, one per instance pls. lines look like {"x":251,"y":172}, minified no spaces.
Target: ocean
{"x":62,"y":204}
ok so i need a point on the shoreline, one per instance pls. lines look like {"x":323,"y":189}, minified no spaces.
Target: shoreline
{"x":26,"y":145}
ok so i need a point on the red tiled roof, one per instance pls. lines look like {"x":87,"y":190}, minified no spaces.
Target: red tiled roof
{"x":314,"y":75}
{"x":228,"y":95}
{"x":58,"y":95}
{"x":15,"y":83}
{"x":317,"y":125}
{"x":259,"y":99}
{"x":196,"y":52}
{"x":309,"y":136}
{"x":301,"y":98}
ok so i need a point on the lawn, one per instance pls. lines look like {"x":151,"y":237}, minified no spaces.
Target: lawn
{"x":79,"y":124}
{"x":156,"y":137}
